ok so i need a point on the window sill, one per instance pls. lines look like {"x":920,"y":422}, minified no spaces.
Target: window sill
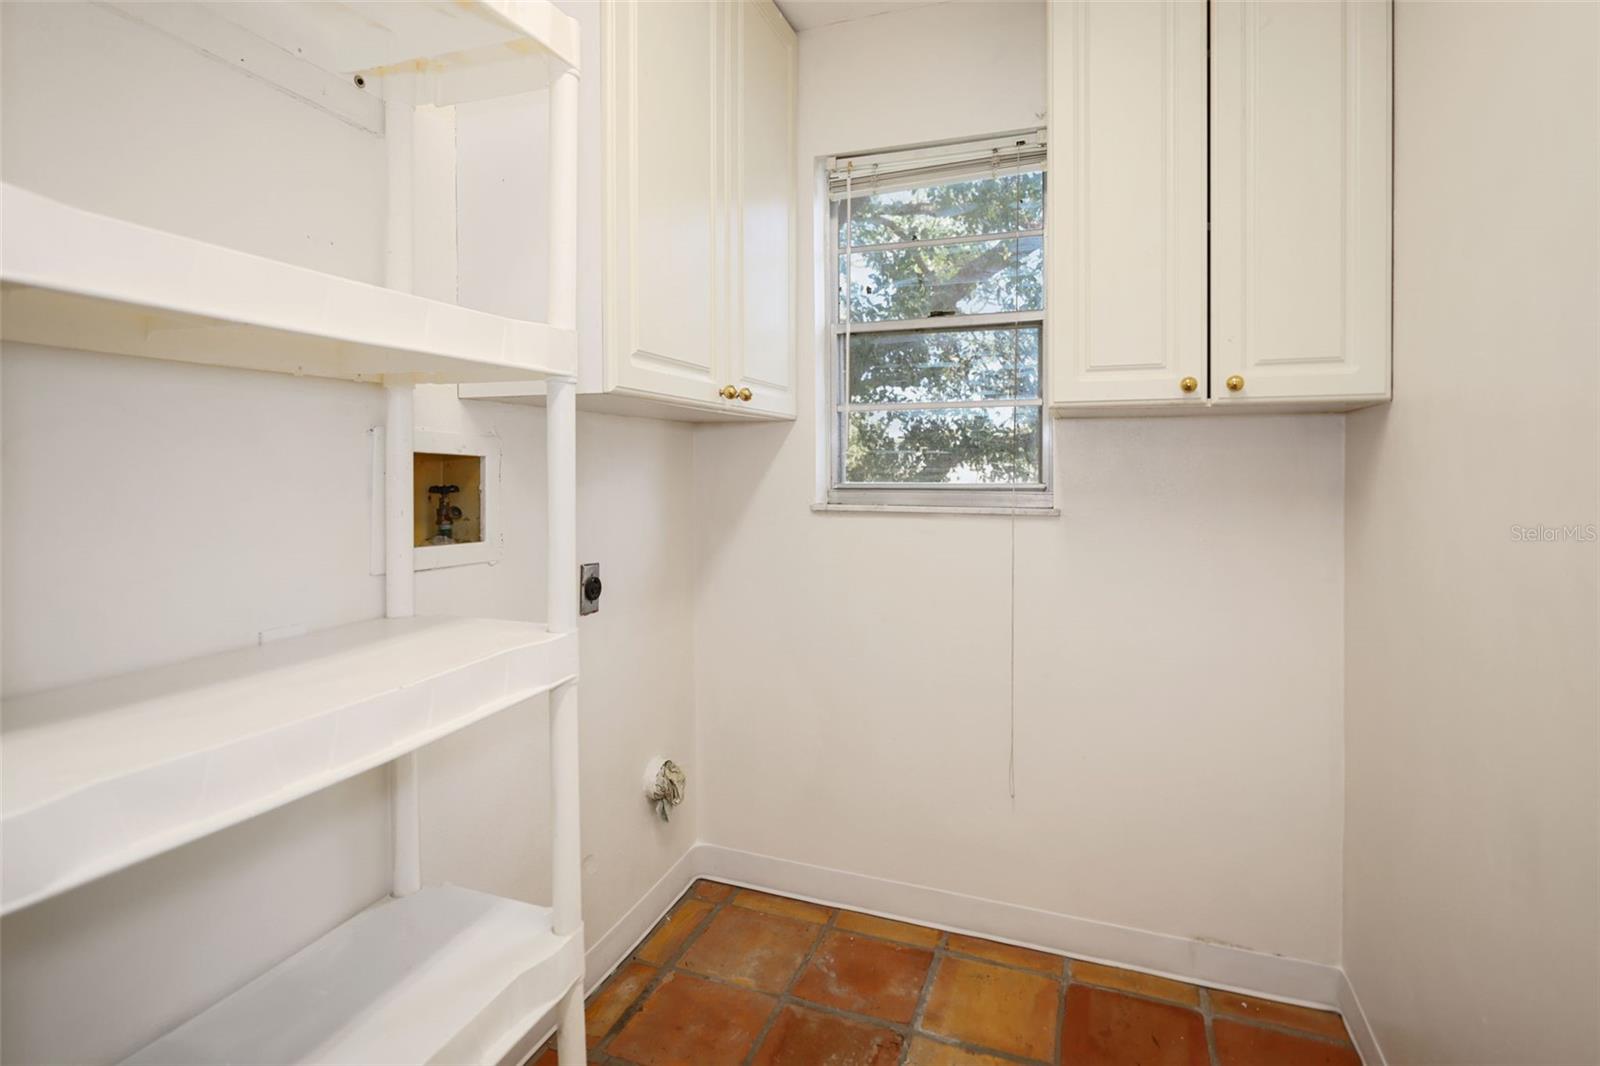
{"x":908,"y":508}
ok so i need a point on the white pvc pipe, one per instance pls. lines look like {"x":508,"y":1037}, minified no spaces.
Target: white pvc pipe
{"x":566,"y":888}
{"x":405,"y":810}
{"x":562,"y":613}
{"x":562,"y":306}
{"x":398,"y":552}
{"x":399,"y":602}
{"x":397,"y":473}
{"x":561,"y":548}
{"x":399,"y":584}
{"x":570,"y":1043}
{"x":561,"y":564}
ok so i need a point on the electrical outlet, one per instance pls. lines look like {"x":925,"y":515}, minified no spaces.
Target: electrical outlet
{"x":589,"y":588}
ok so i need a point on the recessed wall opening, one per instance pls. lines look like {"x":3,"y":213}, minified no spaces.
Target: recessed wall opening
{"x":448,"y":499}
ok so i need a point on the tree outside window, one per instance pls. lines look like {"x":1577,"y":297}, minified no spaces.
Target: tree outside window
{"x":939,"y":328}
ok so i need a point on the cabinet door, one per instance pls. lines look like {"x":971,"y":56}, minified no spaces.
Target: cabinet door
{"x":1127,"y":203}
{"x":663,"y":66}
{"x":762,"y":208}
{"x":1300,"y":170}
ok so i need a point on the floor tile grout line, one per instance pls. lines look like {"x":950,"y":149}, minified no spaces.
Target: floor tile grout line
{"x":1142,"y":997}
{"x":1285,"y":1030}
{"x":940,"y":950}
{"x":671,"y":965}
{"x":785,"y":997}
{"x":1069,"y":959}
{"x":979,"y":1049}
{"x":969,"y":957}
{"x":903,"y":1029}
{"x":1061,"y":1010}
{"x":944,"y":935}
{"x":922,"y":998}
{"x":1211,"y":1036}
{"x":1279,"y":1027}
{"x":913,"y":1029}
{"x":1205,"y":992}
{"x":665,"y":968}
{"x":956,"y":953}
{"x":1145,"y":996}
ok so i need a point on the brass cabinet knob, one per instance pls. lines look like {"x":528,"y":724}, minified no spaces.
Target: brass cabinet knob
{"x":1235,"y":383}
{"x":1188,"y":384}
{"x":745,"y":394}
{"x":728,"y":392}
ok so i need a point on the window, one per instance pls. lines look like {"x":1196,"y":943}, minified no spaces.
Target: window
{"x":937,"y":384}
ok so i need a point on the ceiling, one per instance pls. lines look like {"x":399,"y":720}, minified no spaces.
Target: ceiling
{"x":809,"y":14}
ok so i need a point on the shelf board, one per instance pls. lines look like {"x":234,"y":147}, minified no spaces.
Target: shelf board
{"x":620,"y":402}
{"x":103,"y":775}
{"x":458,"y":50}
{"x":1187,"y":407}
{"x":73,"y":279}
{"x":443,"y":975}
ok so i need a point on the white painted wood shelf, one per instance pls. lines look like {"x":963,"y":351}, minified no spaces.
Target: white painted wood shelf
{"x":102,"y":775}
{"x":75,"y":279}
{"x":461,"y":50}
{"x":109,"y":773}
{"x":444,"y":975}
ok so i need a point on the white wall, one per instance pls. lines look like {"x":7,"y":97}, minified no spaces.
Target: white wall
{"x":1178,"y":652}
{"x":1472,"y":862}
{"x":156,"y":511}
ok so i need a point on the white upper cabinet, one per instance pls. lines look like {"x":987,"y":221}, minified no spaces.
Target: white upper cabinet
{"x":689,"y":146}
{"x":1300,"y":200}
{"x":663,"y":64}
{"x":699,"y":206}
{"x":762,"y":209}
{"x":1127,"y":231}
{"x":1288,"y":174}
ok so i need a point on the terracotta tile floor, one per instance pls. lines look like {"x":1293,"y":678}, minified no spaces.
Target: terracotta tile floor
{"x":734,"y":977}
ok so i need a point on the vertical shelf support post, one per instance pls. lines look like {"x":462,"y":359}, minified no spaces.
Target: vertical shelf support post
{"x":398,"y":554}
{"x":561,"y":424}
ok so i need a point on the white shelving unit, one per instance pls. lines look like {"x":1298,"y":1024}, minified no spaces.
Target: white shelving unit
{"x":443,"y":975}
{"x":102,"y":775}
{"x":106,"y":774}
{"x":75,"y":279}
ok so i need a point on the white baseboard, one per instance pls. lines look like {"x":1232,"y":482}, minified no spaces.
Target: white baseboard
{"x":1255,"y":973}
{"x":1236,"y":969}
{"x":1355,"y":1019}
{"x":607,"y":950}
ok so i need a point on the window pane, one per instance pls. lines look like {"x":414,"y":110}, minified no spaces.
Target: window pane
{"x":1005,"y":204}
{"x":955,"y":446}
{"x":934,"y":365}
{"x":982,"y":277}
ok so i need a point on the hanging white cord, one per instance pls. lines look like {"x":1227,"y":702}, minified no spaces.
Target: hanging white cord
{"x":842,"y":382}
{"x":1016,"y":388}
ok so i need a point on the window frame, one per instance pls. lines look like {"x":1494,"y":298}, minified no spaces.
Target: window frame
{"x":954,"y":497}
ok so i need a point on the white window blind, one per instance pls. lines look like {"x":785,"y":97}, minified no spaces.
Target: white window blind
{"x":939,"y":325}
{"x":886,"y":171}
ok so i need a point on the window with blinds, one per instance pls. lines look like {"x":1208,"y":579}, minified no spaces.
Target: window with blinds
{"x":939,"y":326}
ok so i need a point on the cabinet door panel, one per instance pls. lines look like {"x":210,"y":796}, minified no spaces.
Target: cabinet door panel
{"x":762,"y":211}
{"x":1127,"y":202}
{"x":664,"y":82}
{"x":1300,"y":198}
